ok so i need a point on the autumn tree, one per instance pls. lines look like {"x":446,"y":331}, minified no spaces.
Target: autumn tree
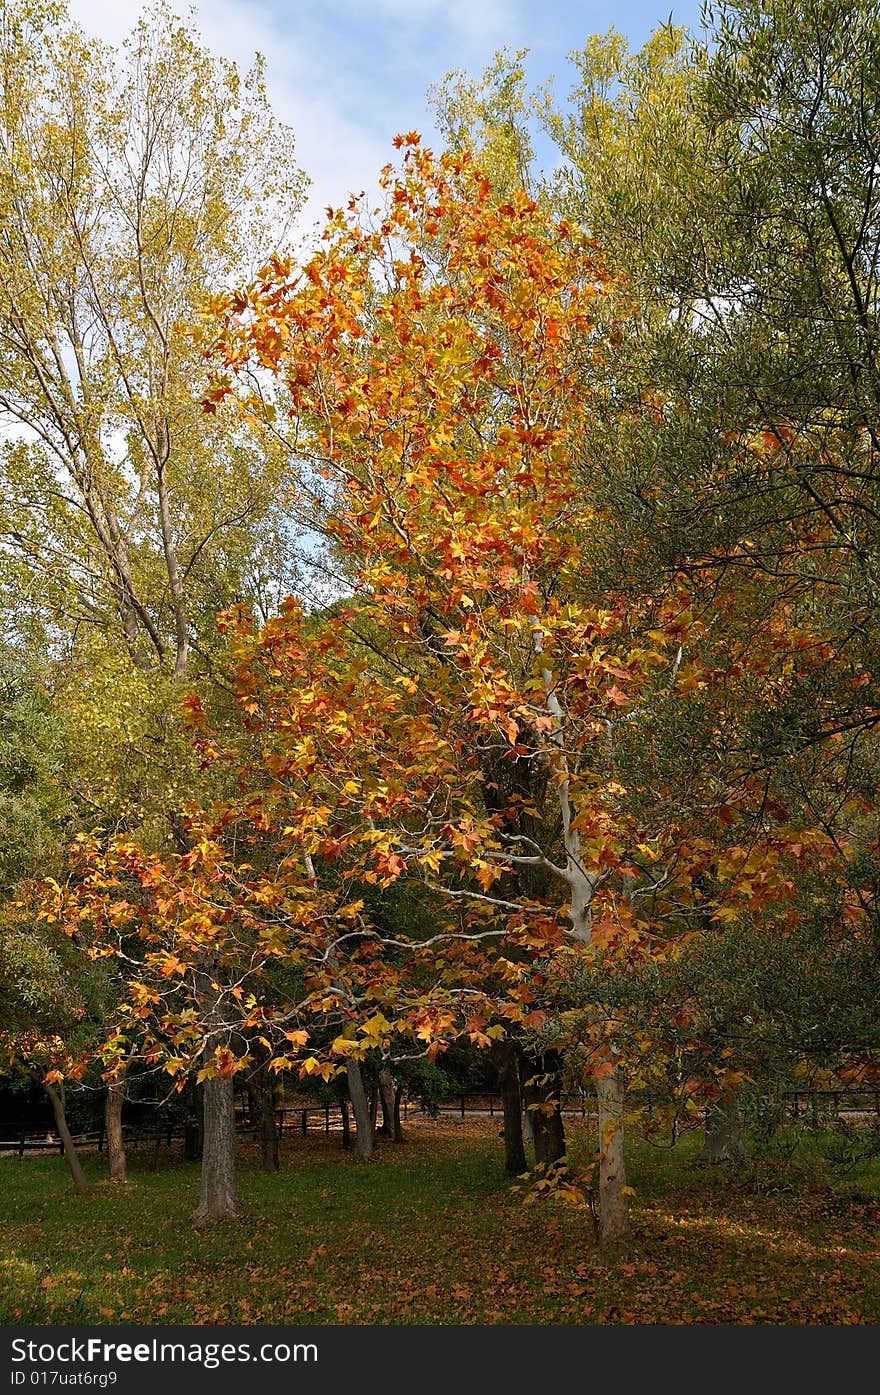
{"x":447,"y":398}
{"x":438,"y":364}
{"x":131,"y":184}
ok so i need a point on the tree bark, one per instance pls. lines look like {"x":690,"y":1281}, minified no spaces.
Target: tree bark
{"x":723,"y":1142}
{"x":262,"y":1102}
{"x":543,"y":1095}
{"x":505,"y":1055}
{"x":399,"y":1135}
{"x":219,"y":1197}
{"x":613,"y":1200}
{"x":528,"y":1131}
{"x":363,"y":1140}
{"x":346,"y":1125}
{"x":56,"y":1099}
{"x":374,"y":1108}
{"x":113,"y":1130}
{"x":390,"y":1117}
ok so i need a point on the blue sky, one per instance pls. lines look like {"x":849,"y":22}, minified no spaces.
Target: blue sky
{"x":349,"y":74}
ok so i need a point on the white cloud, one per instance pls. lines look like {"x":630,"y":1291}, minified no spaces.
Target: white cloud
{"x":110,"y":22}
{"x":338,"y":145}
{"x":347,"y":75}
{"x":475,"y":22}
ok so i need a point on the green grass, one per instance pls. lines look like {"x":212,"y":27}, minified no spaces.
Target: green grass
{"x":433,"y":1233}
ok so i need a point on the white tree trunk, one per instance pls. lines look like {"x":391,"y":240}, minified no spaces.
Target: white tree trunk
{"x":613,"y":1207}
{"x":613,"y":1199}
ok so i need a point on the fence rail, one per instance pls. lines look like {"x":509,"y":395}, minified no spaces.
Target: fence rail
{"x":852,"y":1099}
{"x":23,"y":1139}
{"x":296,"y":1117}
{"x":802,"y":1103}
{"x":48,"y":1142}
{"x":490,"y":1102}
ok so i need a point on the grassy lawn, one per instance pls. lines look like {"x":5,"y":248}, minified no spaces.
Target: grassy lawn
{"x":433,"y":1233}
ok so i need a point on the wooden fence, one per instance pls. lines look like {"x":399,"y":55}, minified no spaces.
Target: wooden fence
{"x":804,"y":1104}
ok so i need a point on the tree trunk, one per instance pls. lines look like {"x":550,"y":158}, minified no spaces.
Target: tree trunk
{"x":389,"y":1127}
{"x":374,"y":1108}
{"x":346,"y":1125}
{"x":262,"y":1103}
{"x":399,"y":1135}
{"x":113,"y":1130}
{"x":219,"y":1197}
{"x":723,"y":1141}
{"x":363,"y":1141}
{"x":613,"y":1200}
{"x":528,"y":1131}
{"x":543,"y":1094}
{"x":505,"y":1055}
{"x":56,"y":1099}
